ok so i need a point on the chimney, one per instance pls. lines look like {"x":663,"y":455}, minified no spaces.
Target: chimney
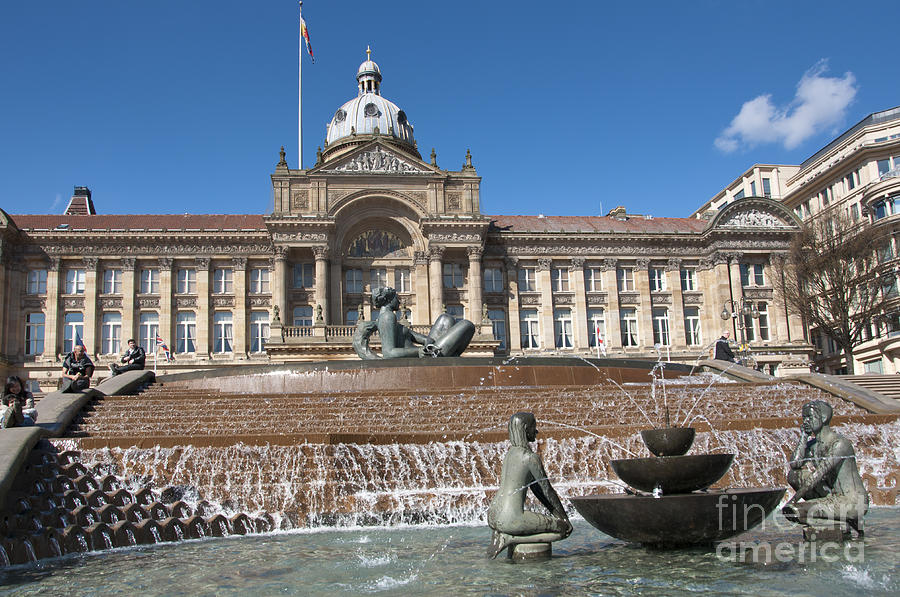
{"x":80,"y":204}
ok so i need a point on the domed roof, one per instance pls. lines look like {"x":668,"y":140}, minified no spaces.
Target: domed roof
{"x":369,"y":113}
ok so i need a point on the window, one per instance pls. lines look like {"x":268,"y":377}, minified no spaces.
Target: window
{"x":559,"y":279}
{"x":851,"y":180}
{"x":739,"y":194}
{"x":150,"y":281}
{"x":873,"y":367}
{"x":854,"y":212}
{"x":377,"y":278}
{"x":453,"y":275}
{"x":625,"y":279}
{"x":185,"y":331}
{"x":186,"y":281}
{"x":753,"y":188}
{"x":825,"y":195}
{"x":351,"y":317}
{"x":304,"y":275}
{"x":75,"y":281}
{"x":593,"y":279}
{"x":402,"y":280}
{"x":885,"y":252}
{"x":73,"y":331}
{"x":661,"y":327}
{"x":37,"y":281}
{"x":259,"y":280}
{"x":596,"y":319}
{"x":562,"y":328}
{"x":629,"y":326}
{"x":657,"y":279}
{"x":884,"y":166}
{"x":353,"y":281}
{"x":763,"y":321}
{"x":531,"y":337}
{"x":456,"y":311}
{"x":493,"y":279}
{"x":527,"y":279}
{"x":112,"y":281}
{"x":752,"y":274}
{"x":222,"y":331}
{"x":689,"y":279}
{"x":303,"y":316}
{"x":148,"y":328}
{"x":767,"y":187}
{"x":34,"y":333}
{"x":692,"y":334}
{"x":498,"y":323}
{"x":259,"y":330}
{"x":111,"y":333}
{"x":223,"y":280}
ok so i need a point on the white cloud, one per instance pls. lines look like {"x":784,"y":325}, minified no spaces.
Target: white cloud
{"x":820,"y":103}
{"x":57,"y":204}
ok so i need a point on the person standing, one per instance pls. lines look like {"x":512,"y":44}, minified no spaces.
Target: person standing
{"x":133,"y":359}
{"x":77,"y":371}
{"x":723,"y":351}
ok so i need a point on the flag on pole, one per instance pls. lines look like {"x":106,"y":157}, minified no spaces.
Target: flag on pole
{"x":160,"y":345}
{"x":601,"y":345}
{"x":304,"y":33}
{"x":79,"y":342}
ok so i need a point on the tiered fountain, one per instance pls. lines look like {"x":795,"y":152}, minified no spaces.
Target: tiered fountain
{"x":672,"y":506}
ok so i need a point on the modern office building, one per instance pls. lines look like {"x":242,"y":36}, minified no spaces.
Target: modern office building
{"x":292,"y":283}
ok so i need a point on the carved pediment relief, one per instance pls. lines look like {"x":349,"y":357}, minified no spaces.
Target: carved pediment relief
{"x":753,"y":218}
{"x":377,"y":243}
{"x":378,"y":160}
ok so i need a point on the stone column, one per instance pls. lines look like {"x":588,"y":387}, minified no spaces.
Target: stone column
{"x":13,"y":277}
{"x":579,"y":305}
{"x":545,"y":312}
{"x":90,"y":337}
{"x":676,"y":310}
{"x":475,"y":284}
{"x":711,"y":324}
{"x":239,"y":331}
{"x":645,"y":308}
{"x":321,"y":255}
{"x":717,"y":283}
{"x":613,"y":327}
{"x":512,"y":281}
{"x":790,"y":327}
{"x":737,"y":291}
{"x":166,"y":288}
{"x":204,"y":316}
{"x":279,"y":285}
{"x":436,"y":280}
{"x":128,"y":299}
{"x":336,"y":280}
{"x":51,"y":325}
{"x":421,"y":312}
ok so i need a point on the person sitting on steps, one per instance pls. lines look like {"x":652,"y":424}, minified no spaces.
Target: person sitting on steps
{"x":19,"y":408}
{"x":133,"y":359}
{"x":77,"y":371}
{"x":723,"y":351}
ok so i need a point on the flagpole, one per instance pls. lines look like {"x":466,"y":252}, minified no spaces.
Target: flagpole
{"x":300,"y":90}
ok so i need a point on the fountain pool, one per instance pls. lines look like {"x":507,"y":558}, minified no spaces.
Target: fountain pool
{"x":450,"y":561}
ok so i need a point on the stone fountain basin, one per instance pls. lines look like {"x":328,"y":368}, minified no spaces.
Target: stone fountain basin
{"x":679,"y":520}
{"x":668,"y":441}
{"x":673,"y":474}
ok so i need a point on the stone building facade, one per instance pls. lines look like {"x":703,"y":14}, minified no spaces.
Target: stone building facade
{"x":291,"y":285}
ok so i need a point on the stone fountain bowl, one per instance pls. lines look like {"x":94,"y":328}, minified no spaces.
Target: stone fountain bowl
{"x":673,"y":474}
{"x":670,"y":441}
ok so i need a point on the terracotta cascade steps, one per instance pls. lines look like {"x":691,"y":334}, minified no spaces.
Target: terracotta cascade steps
{"x":57,"y":506}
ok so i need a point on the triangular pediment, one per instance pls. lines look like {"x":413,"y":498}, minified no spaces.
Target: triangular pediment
{"x":376,"y":158}
{"x":755,"y":213}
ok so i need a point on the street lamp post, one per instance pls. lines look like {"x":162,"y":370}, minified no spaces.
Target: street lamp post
{"x":740,"y":311}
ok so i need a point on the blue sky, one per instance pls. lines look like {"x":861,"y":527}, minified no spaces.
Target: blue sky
{"x":173,"y":106}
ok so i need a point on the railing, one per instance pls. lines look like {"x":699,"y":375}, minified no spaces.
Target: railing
{"x":296,"y":331}
{"x":895,"y":173}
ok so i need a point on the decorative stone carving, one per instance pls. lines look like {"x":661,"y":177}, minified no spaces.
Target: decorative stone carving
{"x":73,"y":302}
{"x":436,"y":252}
{"x":629,"y":298}
{"x":420,"y":197}
{"x":563,"y":299}
{"x":642,"y":263}
{"x":55,"y":263}
{"x":223,"y":301}
{"x":719,"y":258}
{"x":300,"y":199}
{"x":597,"y":298}
{"x":420,"y":258}
{"x":577,"y":264}
{"x":454,"y":201}
{"x":128,"y":264}
{"x":172,"y":247}
{"x":764,"y":294}
{"x":454,"y":237}
{"x":147,"y":302}
{"x":530,"y":299}
{"x":34,"y":302}
{"x":183,"y":302}
{"x":376,"y":161}
{"x":475,"y":253}
{"x":90,"y":263}
{"x":335,"y":196}
{"x":111,"y":302}
{"x":300,"y":236}
{"x":753,"y":218}
{"x":375,"y":243}
{"x":165,"y":263}
{"x":301,"y":296}
{"x":512,"y":263}
{"x":609,"y":263}
{"x":660,"y":299}
{"x":706,"y":263}
{"x":320,"y":252}
{"x":281,"y":253}
{"x":202,"y":263}
{"x":734,"y":256}
{"x":673,"y":264}
{"x":260,"y":301}
{"x":692,"y":298}
{"x":544,"y":264}
{"x":239,"y":263}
